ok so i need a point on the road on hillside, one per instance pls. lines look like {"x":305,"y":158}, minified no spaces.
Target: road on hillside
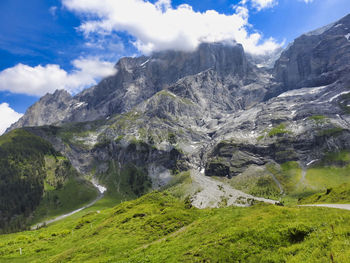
{"x":101,"y":189}
{"x":338,"y":206}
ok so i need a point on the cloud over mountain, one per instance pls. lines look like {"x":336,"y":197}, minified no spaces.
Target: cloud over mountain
{"x":8,"y":116}
{"x":160,"y":26}
{"x":40,"y":79}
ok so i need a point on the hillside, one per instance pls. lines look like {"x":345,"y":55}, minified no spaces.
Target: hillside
{"x":206,"y":157}
{"x":158,"y":227}
{"x":36,"y":181}
{"x":210,"y":109}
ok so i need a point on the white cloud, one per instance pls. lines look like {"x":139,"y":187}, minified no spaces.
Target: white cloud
{"x":7,"y":117}
{"x":308,"y":1}
{"x":159,"y":27}
{"x":42,"y":79}
{"x":262,"y":4}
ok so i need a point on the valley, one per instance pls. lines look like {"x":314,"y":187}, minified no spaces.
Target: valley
{"x":187,"y":156}
{"x":158,"y":227}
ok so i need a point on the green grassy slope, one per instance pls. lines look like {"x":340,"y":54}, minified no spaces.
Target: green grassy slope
{"x":333,"y":195}
{"x":75,"y":193}
{"x":36,"y":178}
{"x":330,"y":172}
{"x":160,"y":228}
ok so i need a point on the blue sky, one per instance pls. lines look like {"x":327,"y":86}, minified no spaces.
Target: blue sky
{"x":72,"y":44}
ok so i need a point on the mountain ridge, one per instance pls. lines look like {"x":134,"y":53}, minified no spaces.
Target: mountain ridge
{"x":211,"y":109}
{"x":138,"y":79}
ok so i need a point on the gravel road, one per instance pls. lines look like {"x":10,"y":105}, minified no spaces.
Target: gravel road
{"x":338,"y":206}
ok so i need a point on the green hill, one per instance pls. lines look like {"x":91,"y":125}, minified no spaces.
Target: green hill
{"x":160,"y":228}
{"x":334,"y":195}
{"x":36,"y":180}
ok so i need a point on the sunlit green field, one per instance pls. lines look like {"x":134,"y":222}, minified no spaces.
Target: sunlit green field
{"x":331,"y":172}
{"x":163,"y":227}
{"x":160,"y":228}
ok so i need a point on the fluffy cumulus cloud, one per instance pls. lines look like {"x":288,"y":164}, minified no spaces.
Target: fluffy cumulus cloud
{"x":8,"y":116}
{"x":42,"y":79}
{"x":159,"y":26}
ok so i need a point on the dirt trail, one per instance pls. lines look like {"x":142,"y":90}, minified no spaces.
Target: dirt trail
{"x":213,"y":193}
{"x":338,"y":206}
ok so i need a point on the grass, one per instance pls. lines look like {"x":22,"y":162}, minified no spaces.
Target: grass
{"x":254,"y":181}
{"x":64,"y":191}
{"x":125,"y":184}
{"x":279,"y":130}
{"x":36,"y":182}
{"x":289,"y":175}
{"x":333,"y":195}
{"x":324,"y":177}
{"x":148,"y":218}
{"x":332,"y":171}
{"x":172,"y":96}
{"x":180,"y":186}
{"x":160,"y":228}
{"x":259,"y":182}
{"x":74,"y":193}
{"x":292,"y":175}
{"x":319,"y":119}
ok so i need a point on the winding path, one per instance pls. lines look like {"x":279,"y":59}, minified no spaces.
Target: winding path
{"x":211,"y":194}
{"x":338,"y":206}
{"x":101,"y":190}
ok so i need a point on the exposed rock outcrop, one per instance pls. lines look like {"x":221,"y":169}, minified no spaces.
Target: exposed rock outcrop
{"x":211,"y":108}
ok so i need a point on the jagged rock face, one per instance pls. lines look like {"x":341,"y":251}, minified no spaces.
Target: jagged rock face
{"x":50,"y":109}
{"x":316,"y":59}
{"x":230,"y":158}
{"x":138,"y":79}
{"x":215,"y":108}
{"x":217,"y":94}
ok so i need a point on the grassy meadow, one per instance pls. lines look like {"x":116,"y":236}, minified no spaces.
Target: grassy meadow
{"x":159,"y":227}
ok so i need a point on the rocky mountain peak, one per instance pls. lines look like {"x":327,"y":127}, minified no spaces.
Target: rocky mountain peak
{"x":138,"y":79}
{"x":216,"y":76}
{"x":316,"y":58}
{"x":223,"y":58}
{"x":60,"y":96}
{"x":211,"y":109}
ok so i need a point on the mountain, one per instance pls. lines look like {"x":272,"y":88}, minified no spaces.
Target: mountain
{"x":317,"y":58}
{"x":213,"y":111}
{"x":138,"y":79}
